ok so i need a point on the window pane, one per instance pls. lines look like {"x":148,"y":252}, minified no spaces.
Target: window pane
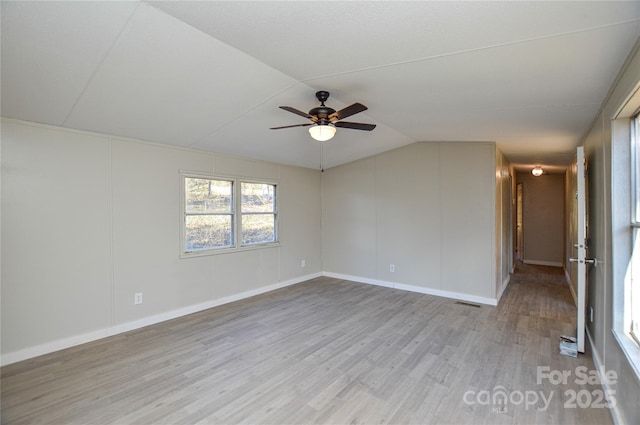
{"x":635,"y":255}
{"x":208,"y":196}
{"x":258,"y":228}
{"x":635,"y":149}
{"x":208,"y":231}
{"x":635,"y":287}
{"x":258,"y":197}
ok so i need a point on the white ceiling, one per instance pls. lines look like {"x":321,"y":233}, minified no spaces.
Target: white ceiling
{"x":530,"y":76}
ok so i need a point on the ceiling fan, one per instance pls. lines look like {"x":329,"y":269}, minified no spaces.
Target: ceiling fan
{"x":325,"y":119}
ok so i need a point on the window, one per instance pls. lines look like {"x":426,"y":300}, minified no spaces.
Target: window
{"x":625,"y":228}
{"x":208,"y":214}
{"x":634,"y":304}
{"x":258,"y":210}
{"x":219,"y":212}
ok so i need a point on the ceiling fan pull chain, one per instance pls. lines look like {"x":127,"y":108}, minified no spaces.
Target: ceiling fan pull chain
{"x":321,"y":156}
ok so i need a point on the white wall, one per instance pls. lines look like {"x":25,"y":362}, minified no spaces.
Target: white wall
{"x":88,"y":220}
{"x":427,"y":208}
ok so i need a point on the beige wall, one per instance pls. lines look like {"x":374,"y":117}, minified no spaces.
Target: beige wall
{"x":427,"y":208}
{"x":88,"y":220}
{"x":543,"y":218}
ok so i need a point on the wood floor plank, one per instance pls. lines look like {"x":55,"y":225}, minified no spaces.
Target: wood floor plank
{"x":324,"y":351}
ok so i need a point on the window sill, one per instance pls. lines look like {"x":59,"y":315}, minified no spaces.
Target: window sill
{"x":630,"y":350}
{"x":220,"y":251}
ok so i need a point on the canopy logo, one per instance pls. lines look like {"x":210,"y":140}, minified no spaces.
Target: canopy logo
{"x":501,"y":399}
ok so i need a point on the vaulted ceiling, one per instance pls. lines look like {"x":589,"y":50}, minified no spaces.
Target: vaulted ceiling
{"x":530,"y":76}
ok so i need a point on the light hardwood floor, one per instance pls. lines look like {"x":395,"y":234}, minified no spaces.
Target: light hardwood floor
{"x":324,"y":351}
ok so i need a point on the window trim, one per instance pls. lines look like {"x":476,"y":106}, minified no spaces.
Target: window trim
{"x":185,"y":214}
{"x":635,"y":168}
{"x":274,"y":213}
{"x":634,"y":222}
{"x":236,"y":220}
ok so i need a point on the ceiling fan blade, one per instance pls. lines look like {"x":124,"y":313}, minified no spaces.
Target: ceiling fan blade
{"x":348,"y":111}
{"x":355,"y":125}
{"x":289,"y":126}
{"x":298,"y":112}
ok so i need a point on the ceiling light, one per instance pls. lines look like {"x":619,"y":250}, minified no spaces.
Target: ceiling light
{"x":322,"y":133}
{"x":537,"y":171}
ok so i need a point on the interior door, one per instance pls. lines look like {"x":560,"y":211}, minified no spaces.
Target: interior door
{"x":581,"y":247}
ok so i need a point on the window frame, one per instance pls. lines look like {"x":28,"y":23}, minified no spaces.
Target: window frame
{"x":633,"y":327}
{"x":241,"y":214}
{"x":236,"y":215}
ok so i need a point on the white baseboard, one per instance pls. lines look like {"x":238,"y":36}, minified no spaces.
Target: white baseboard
{"x":358,"y":279}
{"x":72,"y":341}
{"x":600,"y":368}
{"x":413,"y":288}
{"x":543,"y":263}
{"x":152,"y":320}
{"x":52,"y":346}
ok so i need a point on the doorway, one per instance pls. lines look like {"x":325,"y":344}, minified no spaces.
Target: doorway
{"x":519,"y":254}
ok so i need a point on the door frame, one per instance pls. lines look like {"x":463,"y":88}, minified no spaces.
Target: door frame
{"x":581,"y":246}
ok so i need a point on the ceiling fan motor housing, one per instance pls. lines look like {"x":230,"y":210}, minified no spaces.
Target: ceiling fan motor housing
{"x":322,"y":113}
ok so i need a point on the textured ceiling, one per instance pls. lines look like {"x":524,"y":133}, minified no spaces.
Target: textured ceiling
{"x":530,"y":76}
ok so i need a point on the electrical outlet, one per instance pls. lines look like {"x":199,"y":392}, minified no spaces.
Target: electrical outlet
{"x":591,"y":314}
{"x":303,"y":263}
{"x":392,"y":268}
{"x":137,"y":298}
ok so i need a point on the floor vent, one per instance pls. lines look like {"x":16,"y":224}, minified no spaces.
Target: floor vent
{"x":467,"y":304}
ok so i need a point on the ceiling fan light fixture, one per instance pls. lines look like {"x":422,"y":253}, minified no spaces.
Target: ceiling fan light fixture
{"x":537,"y":171}
{"x":322,"y":132}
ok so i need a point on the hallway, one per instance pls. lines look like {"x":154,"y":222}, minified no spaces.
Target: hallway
{"x":538,"y":304}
